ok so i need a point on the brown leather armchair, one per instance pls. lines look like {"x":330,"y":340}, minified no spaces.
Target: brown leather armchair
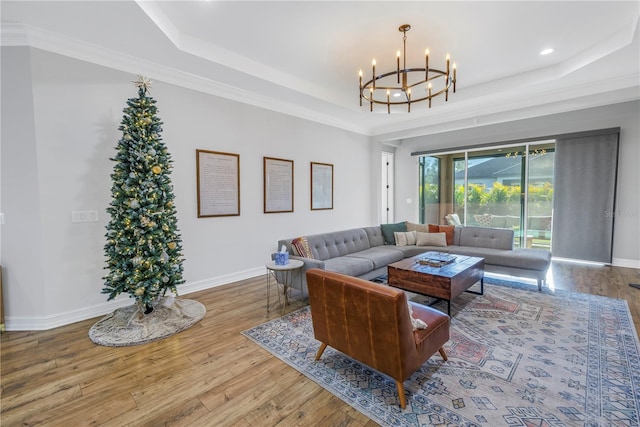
{"x":371,"y":323}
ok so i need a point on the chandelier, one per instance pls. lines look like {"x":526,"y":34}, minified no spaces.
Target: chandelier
{"x":406,"y":86}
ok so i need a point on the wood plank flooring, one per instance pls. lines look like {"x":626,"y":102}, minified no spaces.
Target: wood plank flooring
{"x":208,"y":375}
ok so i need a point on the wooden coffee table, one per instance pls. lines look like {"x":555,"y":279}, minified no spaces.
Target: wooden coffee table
{"x":444,"y":283}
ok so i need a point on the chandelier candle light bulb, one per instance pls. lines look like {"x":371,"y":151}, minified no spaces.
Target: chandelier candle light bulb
{"x":373,"y":64}
{"x":426,"y":65}
{"x":454,"y":77}
{"x":388,"y":103}
{"x":360,"y":76}
{"x":431,"y":82}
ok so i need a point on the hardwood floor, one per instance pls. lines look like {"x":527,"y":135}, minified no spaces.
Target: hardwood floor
{"x":208,"y":375}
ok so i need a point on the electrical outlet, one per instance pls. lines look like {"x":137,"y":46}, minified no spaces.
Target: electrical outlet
{"x":84,"y":216}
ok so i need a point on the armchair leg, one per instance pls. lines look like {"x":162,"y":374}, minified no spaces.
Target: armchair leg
{"x":443,"y":354}
{"x":320,"y":351}
{"x":401,"y":397}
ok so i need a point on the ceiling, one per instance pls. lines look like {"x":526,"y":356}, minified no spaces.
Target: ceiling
{"x":302,"y":57}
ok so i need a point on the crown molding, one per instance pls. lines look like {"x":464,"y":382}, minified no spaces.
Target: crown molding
{"x":25,"y":35}
{"x":13,"y":34}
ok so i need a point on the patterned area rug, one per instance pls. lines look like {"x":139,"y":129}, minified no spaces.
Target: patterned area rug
{"x":516,"y":358}
{"x":124,"y":327}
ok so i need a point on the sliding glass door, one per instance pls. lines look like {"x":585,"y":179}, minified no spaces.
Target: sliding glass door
{"x":487,"y":188}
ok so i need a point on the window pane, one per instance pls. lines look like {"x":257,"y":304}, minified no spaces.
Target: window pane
{"x":540,"y":195}
{"x":429,"y":190}
{"x":494,"y":188}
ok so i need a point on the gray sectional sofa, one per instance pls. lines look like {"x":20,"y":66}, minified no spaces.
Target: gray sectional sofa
{"x":362,"y":252}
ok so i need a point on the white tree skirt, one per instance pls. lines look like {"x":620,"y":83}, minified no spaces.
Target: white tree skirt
{"x":125,"y":327}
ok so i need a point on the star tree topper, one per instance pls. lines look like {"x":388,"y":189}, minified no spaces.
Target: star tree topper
{"x":143,"y":82}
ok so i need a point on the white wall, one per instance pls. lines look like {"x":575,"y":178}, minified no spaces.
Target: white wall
{"x":53,"y":267}
{"x":21,"y":232}
{"x":626,"y":245}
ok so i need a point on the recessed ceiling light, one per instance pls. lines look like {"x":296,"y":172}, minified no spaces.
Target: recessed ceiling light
{"x":546,"y":51}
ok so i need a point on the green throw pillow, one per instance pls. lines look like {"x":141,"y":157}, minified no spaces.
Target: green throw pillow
{"x":389,"y":229}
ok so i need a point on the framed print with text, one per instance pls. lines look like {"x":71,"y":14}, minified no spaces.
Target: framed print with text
{"x":278,"y":185}
{"x":218,"y":183}
{"x":321,"y":186}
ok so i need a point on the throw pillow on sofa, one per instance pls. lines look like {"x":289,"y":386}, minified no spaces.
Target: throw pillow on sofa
{"x":447,"y":229}
{"x":423,"y":228}
{"x":407,"y":238}
{"x":389,"y":229}
{"x":431,"y":239}
{"x":301,"y":247}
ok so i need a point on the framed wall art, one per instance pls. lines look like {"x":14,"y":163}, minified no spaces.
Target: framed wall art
{"x":278,"y":185}
{"x":321,"y":186}
{"x":218,"y":183}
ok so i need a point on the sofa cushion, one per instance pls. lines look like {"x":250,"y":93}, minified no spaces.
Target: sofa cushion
{"x":389,"y":229}
{"x":409,"y":251}
{"x":490,"y":238}
{"x":380,"y":255}
{"x":528,"y":259}
{"x":349,"y":265}
{"x":338,"y":243}
{"x":375,"y":236}
{"x":405,"y":238}
{"x":447,"y":229}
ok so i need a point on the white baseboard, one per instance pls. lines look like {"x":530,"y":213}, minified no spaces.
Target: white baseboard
{"x":40,"y":323}
{"x":629,"y":263}
{"x":616,"y":262}
{"x":201,"y":285}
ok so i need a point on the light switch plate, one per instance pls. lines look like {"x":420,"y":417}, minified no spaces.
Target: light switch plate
{"x":84,"y":216}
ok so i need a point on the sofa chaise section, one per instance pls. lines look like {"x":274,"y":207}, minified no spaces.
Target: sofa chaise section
{"x":495,"y":245}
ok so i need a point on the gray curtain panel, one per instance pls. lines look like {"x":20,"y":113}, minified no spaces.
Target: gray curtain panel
{"x":584,"y":197}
